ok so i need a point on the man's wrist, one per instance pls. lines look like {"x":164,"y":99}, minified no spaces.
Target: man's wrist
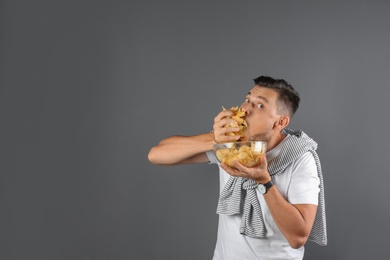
{"x":263,"y":180}
{"x":263,"y":188}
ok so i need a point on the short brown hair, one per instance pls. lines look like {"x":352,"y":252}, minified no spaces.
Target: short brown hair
{"x":288,"y":97}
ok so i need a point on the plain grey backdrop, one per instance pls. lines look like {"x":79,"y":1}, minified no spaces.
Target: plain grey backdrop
{"x":88,"y":87}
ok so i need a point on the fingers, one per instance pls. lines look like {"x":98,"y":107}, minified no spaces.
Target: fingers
{"x":263,"y":162}
{"x":221,"y":130}
{"x":232,"y":171}
{"x":258,"y":173}
{"x":225,"y":129}
{"x":227,"y":139}
{"x":239,"y":170}
{"x":221,"y":137}
{"x":240,"y":167}
{"x":225,"y":123}
{"x":223,"y":114}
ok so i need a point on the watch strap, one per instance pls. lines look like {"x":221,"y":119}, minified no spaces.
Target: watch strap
{"x":268,"y":185}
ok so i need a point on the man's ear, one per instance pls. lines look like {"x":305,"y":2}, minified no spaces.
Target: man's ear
{"x":283,"y":122}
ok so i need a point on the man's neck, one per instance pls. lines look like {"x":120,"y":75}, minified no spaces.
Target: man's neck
{"x":275,"y":140}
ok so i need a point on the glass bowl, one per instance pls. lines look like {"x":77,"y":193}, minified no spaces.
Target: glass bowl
{"x":247,"y":153}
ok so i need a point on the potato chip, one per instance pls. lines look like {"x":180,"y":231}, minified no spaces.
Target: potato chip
{"x":239,"y":121}
{"x":245,"y":155}
{"x":222,"y":153}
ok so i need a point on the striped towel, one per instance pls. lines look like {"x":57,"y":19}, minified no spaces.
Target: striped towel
{"x":239,"y":194}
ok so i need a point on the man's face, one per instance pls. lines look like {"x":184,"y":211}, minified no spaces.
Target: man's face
{"x":261,"y":113}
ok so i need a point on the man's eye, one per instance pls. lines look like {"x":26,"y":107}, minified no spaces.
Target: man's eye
{"x":247,"y":100}
{"x":260,"y":105}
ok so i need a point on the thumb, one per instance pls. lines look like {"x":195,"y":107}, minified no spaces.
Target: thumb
{"x":263,"y":162}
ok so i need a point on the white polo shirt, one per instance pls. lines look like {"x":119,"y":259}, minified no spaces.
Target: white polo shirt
{"x":299,"y":184}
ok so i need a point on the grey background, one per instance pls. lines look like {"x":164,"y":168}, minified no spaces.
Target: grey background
{"x":88,"y":87}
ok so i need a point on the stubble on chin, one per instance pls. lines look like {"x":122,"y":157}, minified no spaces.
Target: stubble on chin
{"x":258,"y":137}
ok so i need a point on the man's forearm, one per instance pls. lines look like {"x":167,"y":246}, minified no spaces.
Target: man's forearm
{"x":294,"y":221}
{"x":181,"y":149}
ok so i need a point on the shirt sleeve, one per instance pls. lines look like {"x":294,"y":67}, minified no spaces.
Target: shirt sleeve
{"x":212,"y":158}
{"x":304,"y":186}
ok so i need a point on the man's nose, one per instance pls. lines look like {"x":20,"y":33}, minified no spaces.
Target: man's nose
{"x":247,"y":108}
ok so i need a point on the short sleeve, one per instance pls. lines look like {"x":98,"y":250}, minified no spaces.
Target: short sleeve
{"x":304,"y":186}
{"x":212,"y":158}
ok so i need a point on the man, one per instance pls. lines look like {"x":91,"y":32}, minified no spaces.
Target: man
{"x":279,"y":199}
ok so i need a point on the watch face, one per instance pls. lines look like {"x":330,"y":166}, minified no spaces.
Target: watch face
{"x":261,"y":188}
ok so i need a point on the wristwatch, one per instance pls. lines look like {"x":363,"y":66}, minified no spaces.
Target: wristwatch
{"x":263,"y":188}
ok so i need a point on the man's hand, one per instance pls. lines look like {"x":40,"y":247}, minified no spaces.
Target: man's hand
{"x":294,"y":221}
{"x":258,"y":173}
{"x":220,"y":131}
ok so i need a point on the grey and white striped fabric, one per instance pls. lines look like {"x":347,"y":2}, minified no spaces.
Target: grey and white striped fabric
{"x":239,"y":194}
